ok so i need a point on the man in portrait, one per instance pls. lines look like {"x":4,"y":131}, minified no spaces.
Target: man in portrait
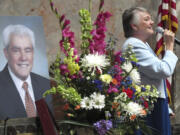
{"x":19,"y":86}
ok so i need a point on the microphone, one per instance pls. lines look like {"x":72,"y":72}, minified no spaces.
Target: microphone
{"x":161,"y":31}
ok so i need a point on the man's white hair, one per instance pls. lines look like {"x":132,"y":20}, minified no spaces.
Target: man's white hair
{"x":18,"y":29}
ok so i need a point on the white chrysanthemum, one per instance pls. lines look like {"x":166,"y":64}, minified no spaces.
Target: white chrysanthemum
{"x":134,"y":109}
{"x":135,"y":76}
{"x":86,"y":103}
{"x":98,"y":100}
{"x":127,"y":66}
{"x":93,"y":61}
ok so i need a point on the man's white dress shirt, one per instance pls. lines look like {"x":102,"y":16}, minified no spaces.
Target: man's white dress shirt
{"x":19,"y":83}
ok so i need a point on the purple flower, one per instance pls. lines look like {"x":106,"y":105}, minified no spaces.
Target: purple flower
{"x":143,"y":89}
{"x":113,"y":90}
{"x":98,"y":84}
{"x":135,"y":64}
{"x":122,"y":59}
{"x":103,"y":126}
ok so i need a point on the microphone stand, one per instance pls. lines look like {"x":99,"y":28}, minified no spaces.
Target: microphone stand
{"x":5,"y":123}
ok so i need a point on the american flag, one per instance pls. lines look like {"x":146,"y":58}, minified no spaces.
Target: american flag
{"x":167,"y":18}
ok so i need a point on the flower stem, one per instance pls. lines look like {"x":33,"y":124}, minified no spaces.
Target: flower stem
{"x":90,"y":5}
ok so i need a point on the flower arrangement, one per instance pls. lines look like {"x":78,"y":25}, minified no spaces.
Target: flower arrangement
{"x":101,"y":87}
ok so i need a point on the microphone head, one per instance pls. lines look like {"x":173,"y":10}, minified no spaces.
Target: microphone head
{"x":159,"y":30}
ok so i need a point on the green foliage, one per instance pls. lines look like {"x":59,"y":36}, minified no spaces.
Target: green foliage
{"x":69,"y":94}
{"x":129,"y":55}
{"x":86,"y":27}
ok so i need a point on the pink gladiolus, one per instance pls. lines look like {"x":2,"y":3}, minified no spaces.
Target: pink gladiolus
{"x":71,"y":41}
{"x":66,"y":22}
{"x":95,"y":35}
{"x":67,"y":41}
{"x":62,"y":47}
{"x":107,"y":15}
{"x":62,"y":18}
{"x":77,"y":60}
{"x":56,"y":10}
{"x":67,"y":33}
{"x":75,"y":51}
{"x":101,"y":4}
{"x":52,"y":4}
{"x":64,"y":69}
{"x":98,"y":44}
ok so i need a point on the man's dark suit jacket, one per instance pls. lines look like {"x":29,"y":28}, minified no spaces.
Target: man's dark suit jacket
{"x":11,"y":105}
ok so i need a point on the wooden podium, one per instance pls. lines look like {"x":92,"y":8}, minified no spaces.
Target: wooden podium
{"x":20,"y":126}
{"x":42,"y":125}
{"x":32,"y":126}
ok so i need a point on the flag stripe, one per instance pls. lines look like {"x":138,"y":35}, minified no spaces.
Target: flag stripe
{"x":168,"y":90}
{"x":167,"y":16}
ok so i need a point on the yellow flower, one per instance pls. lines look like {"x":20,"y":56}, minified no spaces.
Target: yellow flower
{"x":106,"y":78}
{"x":148,"y":87}
{"x":138,"y":88}
{"x":73,"y":68}
{"x":72,"y":65}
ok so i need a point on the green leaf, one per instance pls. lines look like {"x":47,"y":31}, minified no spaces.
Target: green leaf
{"x":75,"y":123}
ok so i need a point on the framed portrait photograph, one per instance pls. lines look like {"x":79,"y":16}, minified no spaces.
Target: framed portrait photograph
{"x":34,"y":23}
{"x":24,"y":73}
